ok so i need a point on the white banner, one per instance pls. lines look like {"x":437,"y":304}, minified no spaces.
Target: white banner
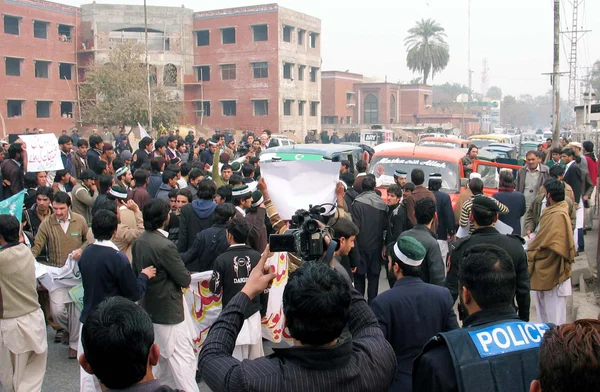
{"x":43,"y":153}
{"x":295,"y":185}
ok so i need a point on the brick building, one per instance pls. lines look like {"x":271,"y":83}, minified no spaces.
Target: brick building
{"x":348,"y":99}
{"x":253,"y":67}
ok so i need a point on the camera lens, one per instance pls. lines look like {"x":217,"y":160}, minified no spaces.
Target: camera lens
{"x":312,"y":226}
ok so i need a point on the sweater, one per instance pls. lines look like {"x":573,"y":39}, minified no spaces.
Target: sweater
{"x":106,"y":272}
{"x":18,"y":291}
{"x":83,"y":202}
{"x":60,"y":244}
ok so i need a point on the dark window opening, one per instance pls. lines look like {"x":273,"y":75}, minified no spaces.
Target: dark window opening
{"x":287,"y":107}
{"x":11,"y":25}
{"x":260,"y":70}
{"x":167,"y":45}
{"x":313,"y":39}
{"x":40,"y":29}
{"x":228,"y":35}
{"x":287,"y":71}
{"x":66,"y":109}
{"x":65,"y":70}
{"x":42,"y":69}
{"x":261,"y":107}
{"x":42,"y":109}
{"x":349,"y":96}
{"x":229,"y":108}
{"x":64,"y":33}
{"x":301,"y":34}
{"x":13,"y":66}
{"x":301,"y":72}
{"x":301,"y":108}
{"x":170,"y":75}
{"x":313,"y":108}
{"x":260,"y":32}
{"x":287,"y":33}
{"x":313,"y":74}
{"x":14,"y":108}
{"x":203,"y":73}
{"x":202,"y":108}
{"x":228,"y":71}
{"x":203,"y":38}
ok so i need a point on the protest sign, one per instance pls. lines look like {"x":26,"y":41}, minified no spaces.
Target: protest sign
{"x":43,"y":153}
{"x":298,"y":184}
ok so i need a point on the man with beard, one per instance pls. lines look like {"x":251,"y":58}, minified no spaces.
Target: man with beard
{"x":493,"y":342}
{"x":13,"y":170}
{"x":79,"y":158}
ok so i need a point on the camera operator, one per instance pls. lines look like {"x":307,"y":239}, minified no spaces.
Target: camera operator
{"x":317,"y":303}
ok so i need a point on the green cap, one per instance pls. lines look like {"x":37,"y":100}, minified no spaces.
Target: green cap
{"x":409,"y":251}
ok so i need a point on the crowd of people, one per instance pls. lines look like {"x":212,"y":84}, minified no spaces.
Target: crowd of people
{"x":139,"y":223}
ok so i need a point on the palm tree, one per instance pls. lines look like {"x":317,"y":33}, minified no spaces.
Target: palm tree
{"x":427,"y":51}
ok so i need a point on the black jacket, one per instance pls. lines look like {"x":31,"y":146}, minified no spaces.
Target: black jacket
{"x":445,"y":215}
{"x":515,"y":201}
{"x":195,"y":217}
{"x":432,"y":268}
{"x":231,"y":271}
{"x":93,"y":158}
{"x":140,"y":157}
{"x":398,"y":223}
{"x":154,"y":182}
{"x":512,"y":244}
{"x":208,"y":245}
{"x":574,"y":177}
{"x":434,"y":370}
{"x":396,"y":310}
{"x":371,"y":222}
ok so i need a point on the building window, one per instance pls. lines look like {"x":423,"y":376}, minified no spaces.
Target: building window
{"x":64,"y":33}
{"x":260,"y":33}
{"x":65,"y":71}
{"x":313,"y":37}
{"x":202,"y":108}
{"x":170,"y":75}
{"x":11,"y":24}
{"x":301,"y":69}
{"x":167,"y":46}
{"x":40,"y":29}
{"x":229,"y":108}
{"x":260,"y":70}
{"x":301,"y":108}
{"x":228,"y":71}
{"x":228,"y":35}
{"x":14,"y":108}
{"x":313,"y":74}
{"x":41,"y":69}
{"x":426,"y":99}
{"x":287,"y":33}
{"x":203,"y":73}
{"x":203,"y":38}
{"x":371,"y":110}
{"x":349,"y":97}
{"x":287,"y":107}
{"x":301,"y":34}
{"x":66,"y":109}
{"x":287,"y":71}
{"x":261,"y":107}
{"x":13,"y":66}
{"x":348,"y":120}
{"x":314,"y":106}
{"x":42,"y":109}
{"x":392,"y":109}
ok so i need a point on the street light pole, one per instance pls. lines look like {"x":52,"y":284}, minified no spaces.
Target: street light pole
{"x":148,"y":70}
{"x":556,"y":77}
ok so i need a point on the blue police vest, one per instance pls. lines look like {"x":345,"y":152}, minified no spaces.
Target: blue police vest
{"x":498,"y":357}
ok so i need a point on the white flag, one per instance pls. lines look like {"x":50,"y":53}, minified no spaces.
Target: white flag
{"x":143,"y":132}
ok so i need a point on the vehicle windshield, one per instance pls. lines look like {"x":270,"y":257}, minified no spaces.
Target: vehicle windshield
{"x":480,"y":143}
{"x":440,"y":144}
{"x":384,"y":167}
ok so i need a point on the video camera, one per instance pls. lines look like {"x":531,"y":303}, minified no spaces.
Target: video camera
{"x":305,"y":236}
{"x":243,"y":148}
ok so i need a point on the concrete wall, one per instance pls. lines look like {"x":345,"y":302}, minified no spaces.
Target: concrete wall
{"x":27,"y":87}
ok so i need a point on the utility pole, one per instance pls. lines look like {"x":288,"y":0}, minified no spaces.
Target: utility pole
{"x":469,"y":54}
{"x":148,"y":71}
{"x":556,"y":77}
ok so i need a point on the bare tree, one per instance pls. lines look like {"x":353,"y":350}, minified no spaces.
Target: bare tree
{"x":115,"y":92}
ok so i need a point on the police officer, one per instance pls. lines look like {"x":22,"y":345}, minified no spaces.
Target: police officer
{"x":484,"y":214}
{"x":494,"y":351}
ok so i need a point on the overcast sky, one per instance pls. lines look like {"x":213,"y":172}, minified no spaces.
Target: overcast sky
{"x":368,"y":37}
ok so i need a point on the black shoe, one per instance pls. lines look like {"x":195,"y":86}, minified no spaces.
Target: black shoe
{"x":58,"y":336}
{"x":581,"y":250}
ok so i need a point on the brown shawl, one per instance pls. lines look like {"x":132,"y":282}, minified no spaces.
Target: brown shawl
{"x":552,"y":252}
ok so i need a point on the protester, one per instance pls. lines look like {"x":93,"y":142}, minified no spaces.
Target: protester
{"x":84,"y":195}
{"x":550,"y":256}
{"x":94,"y":152}
{"x":531,"y":177}
{"x":106,"y":272}
{"x":569,"y":358}
{"x":555,"y":158}
{"x":65,"y":144}
{"x":123,"y":178}
{"x":476,"y":187}
{"x":397,"y":309}
{"x":578,"y":149}
{"x":369,"y":213}
{"x":157,"y":166}
{"x":433,"y":267}
{"x":513,"y":200}
{"x":418,"y":179}
{"x":139,"y":194}
{"x":574,"y":177}
{"x":23,"y":343}
{"x":464,"y":195}
{"x":63,"y":233}
{"x":105,"y":184}
{"x":445,"y":229}
{"x":196,"y":216}
{"x":40,"y":210}
{"x":317,"y":303}
{"x":477,"y":357}
{"x":468,"y":159}
{"x":169,"y":182}
{"x":484,"y":214}
{"x":13,"y":170}
{"x":142,"y":154}
{"x":256,"y":216}
{"x":62,"y":181}
{"x":164,"y":299}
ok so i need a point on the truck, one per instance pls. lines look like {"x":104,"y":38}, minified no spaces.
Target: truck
{"x":375,"y":135}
